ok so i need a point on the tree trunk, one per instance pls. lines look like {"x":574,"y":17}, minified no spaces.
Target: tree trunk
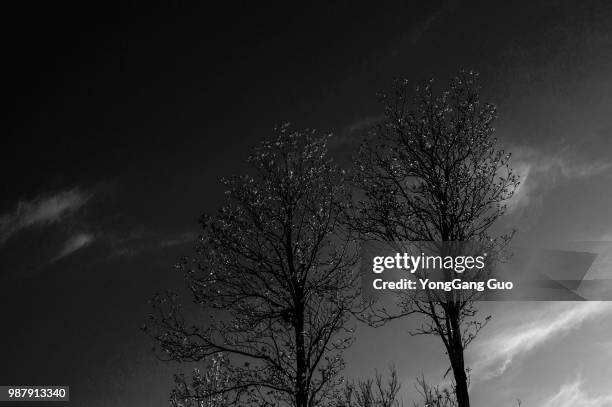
{"x":461,"y":390}
{"x":301,"y":394}
{"x":458,"y":364}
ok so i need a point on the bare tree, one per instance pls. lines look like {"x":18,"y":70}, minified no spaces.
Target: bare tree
{"x":372,"y":392}
{"x":434,"y":395}
{"x":275,"y":275}
{"x":434,"y":173}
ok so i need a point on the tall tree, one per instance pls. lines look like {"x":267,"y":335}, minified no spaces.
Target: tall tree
{"x":275,"y":274}
{"x":434,"y":173}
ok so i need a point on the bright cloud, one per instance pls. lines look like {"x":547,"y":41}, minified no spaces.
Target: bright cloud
{"x":73,"y":244}
{"x":41,"y":211}
{"x":540,"y":172}
{"x":495,"y":354}
{"x":572,"y":395}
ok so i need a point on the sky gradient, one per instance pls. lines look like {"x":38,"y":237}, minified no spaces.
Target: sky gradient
{"x":122,"y":119}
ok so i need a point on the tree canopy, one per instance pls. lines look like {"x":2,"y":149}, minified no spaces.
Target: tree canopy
{"x":275,"y":273}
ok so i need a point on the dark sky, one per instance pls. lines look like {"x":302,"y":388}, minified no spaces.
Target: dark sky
{"x":122,"y":118}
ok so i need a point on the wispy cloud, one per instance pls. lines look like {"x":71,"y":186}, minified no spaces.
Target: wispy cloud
{"x":183,"y":238}
{"x":495,"y":354}
{"x":40,"y":211}
{"x":420,"y":29}
{"x":353,"y":133}
{"x":73,"y":244}
{"x":572,"y":395}
{"x":141,"y":241}
{"x":540,"y":172}
{"x":363,"y":123}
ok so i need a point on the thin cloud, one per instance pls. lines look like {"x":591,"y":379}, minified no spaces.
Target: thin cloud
{"x":141,"y":242}
{"x":363,"y":123}
{"x":183,"y":238}
{"x":496,"y":354}
{"x":73,"y":244}
{"x":41,"y":211}
{"x":572,"y":395}
{"x":421,"y":29}
{"x":540,"y":173}
{"x":353,"y":133}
